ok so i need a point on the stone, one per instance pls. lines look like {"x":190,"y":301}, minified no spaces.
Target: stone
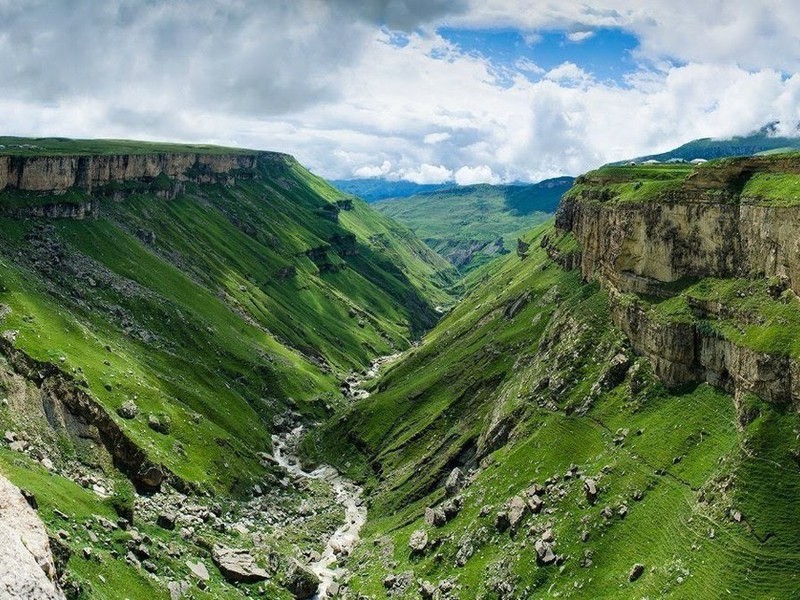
{"x":160,"y":423}
{"x":418,"y":541}
{"x":47,"y":464}
{"x":302,"y":582}
{"x":28,"y":569}
{"x":622,"y":511}
{"x":177,"y":589}
{"x":516,"y":510}
{"x":29,"y":498}
{"x":636,"y":571}
{"x":454,"y":483}
{"x":544,"y":553}
{"x":10,"y":436}
{"x":434,"y":517}
{"x":237,"y":565}
{"x":452,"y":507}
{"x":166,"y":520}
{"x":198,"y":569}
{"x":535,"y":503}
{"x":128,"y":410}
{"x":590,"y":487}
{"x":501,"y":522}
{"x":427,"y":590}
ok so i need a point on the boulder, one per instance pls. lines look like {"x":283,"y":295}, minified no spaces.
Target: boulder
{"x":27,"y":569}
{"x":501,"y":522}
{"x":166,"y":520}
{"x":516,"y":508}
{"x":237,"y":565}
{"x":535,"y":503}
{"x":427,"y":590}
{"x":199,"y":570}
{"x":590,"y":487}
{"x":452,"y":507}
{"x":301,"y":581}
{"x":128,"y":410}
{"x":454,"y":483}
{"x":544,"y":553}
{"x":418,"y":541}
{"x":434,"y":517}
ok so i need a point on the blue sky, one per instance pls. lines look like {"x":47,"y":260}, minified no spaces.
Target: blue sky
{"x":605,"y":53}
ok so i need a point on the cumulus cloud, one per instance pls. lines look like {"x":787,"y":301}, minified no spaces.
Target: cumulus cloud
{"x":435,"y":138}
{"x":426,"y":174}
{"x":472,"y":175}
{"x":329,"y":82}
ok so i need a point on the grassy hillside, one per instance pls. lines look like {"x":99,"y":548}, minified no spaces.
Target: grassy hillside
{"x":181,"y":333}
{"x":526,"y":382}
{"x":472,"y":224}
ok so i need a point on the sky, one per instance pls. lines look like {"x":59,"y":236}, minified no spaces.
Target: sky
{"x":421,"y":90}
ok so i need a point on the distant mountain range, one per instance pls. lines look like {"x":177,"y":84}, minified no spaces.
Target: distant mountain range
{"x":762,"y":141}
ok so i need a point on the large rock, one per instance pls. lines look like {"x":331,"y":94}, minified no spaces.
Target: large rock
{"x":237,"y":565}
{"x":455,"y":482}
{"x":516,"y":510}
{"x":301,"y":581}
{"x":26,"y":563}
{"x":418,"y":541}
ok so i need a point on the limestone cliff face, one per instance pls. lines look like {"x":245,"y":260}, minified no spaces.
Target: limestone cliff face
{"x":706,"y":227}
{"x":60,"y":173}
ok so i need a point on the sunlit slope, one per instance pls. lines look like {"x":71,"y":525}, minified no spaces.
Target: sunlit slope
{"x":527,"y":378}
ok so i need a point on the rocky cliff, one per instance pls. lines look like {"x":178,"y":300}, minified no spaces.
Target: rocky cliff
{"x":649,"y":232}
{"x":57,"y":174}
{"x":710,"y":223}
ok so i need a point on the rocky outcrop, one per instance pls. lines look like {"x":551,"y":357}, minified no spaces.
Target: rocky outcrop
{"x":69,"y":408}
{"x":61,"y":173}
{"x":27,"y":569}
{"x":64,"y":186}
{"x":706,"y":226}
{"x":683,"y":353}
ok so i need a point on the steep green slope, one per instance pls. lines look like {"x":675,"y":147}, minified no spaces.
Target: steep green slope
{"x":528,"y":383}
{"x":472,"y":224}
{"x":159,"y":330}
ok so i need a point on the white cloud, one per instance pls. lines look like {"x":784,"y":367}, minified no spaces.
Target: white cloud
{"x":568,"y":72}
{"x":426,"y":174}
{"x":579,"y":36}
{"x":368,"y":171}
{"x":435,"y":138}
{"x":472,"y":175}
{"x":324,"y":81}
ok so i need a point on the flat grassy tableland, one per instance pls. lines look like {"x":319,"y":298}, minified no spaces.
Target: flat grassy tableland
{"x":19,"y":146}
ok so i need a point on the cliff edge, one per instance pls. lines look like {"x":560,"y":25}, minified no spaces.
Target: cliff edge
{"x":702,"y":266}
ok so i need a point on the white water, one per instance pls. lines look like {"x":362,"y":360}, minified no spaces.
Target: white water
{"x":344,"y":539}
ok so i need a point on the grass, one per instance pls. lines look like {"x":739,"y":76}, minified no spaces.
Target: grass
{"x":20,"y":146}
{"x":196,"y":324}
{"x":773,"y":189}
{"x":463,"y":223}
{"x":684,"y":451}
